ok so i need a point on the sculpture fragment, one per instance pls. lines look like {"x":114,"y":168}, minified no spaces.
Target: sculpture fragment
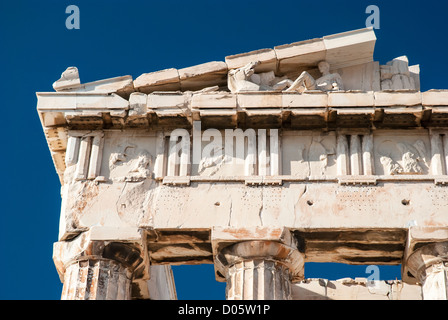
{"x":245,"y":79}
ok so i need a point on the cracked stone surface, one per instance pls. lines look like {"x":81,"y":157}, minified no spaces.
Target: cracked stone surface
{"x":353,"y":173}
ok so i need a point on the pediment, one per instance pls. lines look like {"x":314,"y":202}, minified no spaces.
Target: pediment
{"x":349,"y":54}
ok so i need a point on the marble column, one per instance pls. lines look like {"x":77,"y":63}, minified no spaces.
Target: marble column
{"x":99,"y":270}
{"x":96,"y":279}
{"x":429,"y":264}
{"x":260,"y":270}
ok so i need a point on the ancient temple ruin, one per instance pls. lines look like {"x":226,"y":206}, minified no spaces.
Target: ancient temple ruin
{"x":306,"y":152}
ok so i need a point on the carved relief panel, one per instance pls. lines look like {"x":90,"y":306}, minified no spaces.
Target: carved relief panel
{"x":402,"y":153}
{"x":107,"y":156}
{"x":308,"y":153}
{"x":128,"y":156}
{"x":137,"y":156}
{"x":351,"y":153}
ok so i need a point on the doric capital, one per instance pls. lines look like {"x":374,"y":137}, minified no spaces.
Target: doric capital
{"x":98,"y":244}
{"x":267,"y":250}
{"x":233,"y":245}
{"x":424,"y":247}
{"x":421,"y":261}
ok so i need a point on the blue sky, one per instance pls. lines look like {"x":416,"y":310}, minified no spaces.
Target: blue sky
{"x":133,"y":37}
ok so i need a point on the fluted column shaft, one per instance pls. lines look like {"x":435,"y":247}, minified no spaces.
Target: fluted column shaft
{"x":96,"y":279}
{"x":259,"y":270}
{"x":258,"y":280}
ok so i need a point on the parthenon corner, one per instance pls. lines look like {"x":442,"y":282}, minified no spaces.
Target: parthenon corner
{"x":257,"y":164}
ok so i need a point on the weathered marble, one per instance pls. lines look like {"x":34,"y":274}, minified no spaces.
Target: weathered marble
{"x":354,"y":289}
{"x":429,"y":265}
{"x":306,"y":152}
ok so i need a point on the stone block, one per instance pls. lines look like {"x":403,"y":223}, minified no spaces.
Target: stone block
{"x":218,"y":100}
{"x":364,"y":77}
{"x":435,"y":98}
{"x":163,"y":80}
{"x":204,"y":75}
{"x":259,"y":100}
{"x":168,"y":101}
{"x":214,"y":109}
{"x":398,"y":65}
{"x":350,"y":48}
{"x":138,"y":104}
{"x":171,"y":108}
{"x":350,"y":99}
{"x":80,"y":109}
{"x":304,"y":54}
{"x":397,"y":99}
{"x":122,"y":86}
{"x":48,"y":101}
{"x":266,"y":57}
{"x":294,"y":100}
{"x":138,"y":110}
